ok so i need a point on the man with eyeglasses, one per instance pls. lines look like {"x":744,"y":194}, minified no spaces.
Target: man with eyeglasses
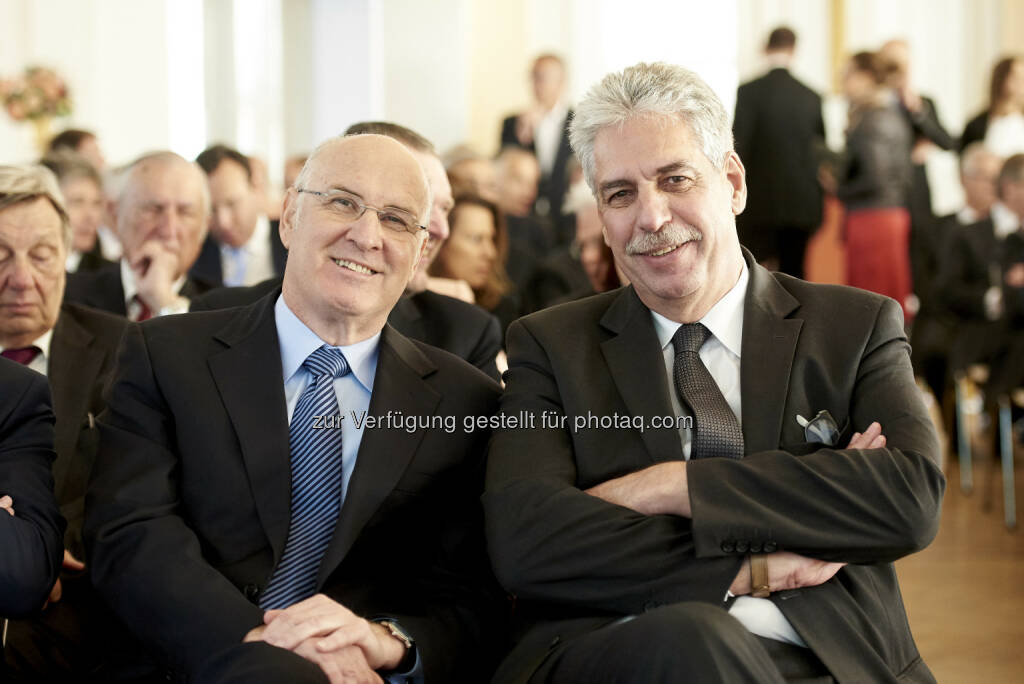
{"x":260,"y":510}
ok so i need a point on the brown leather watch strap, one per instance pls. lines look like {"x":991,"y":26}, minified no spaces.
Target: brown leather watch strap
{"x":759,"y":587}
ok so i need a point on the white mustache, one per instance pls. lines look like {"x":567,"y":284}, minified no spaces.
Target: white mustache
{"x":669,"y":236}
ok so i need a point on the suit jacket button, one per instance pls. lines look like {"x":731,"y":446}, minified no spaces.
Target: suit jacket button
{"x":756,"y":547}
{"x":251,"y":591}
{"x":728,"y":546}
{"x":742,"y":546}
{"x":770,"y":547}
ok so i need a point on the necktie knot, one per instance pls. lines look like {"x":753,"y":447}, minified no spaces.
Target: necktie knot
{"x":22,"y":355}
{"x":327,"y":361}
{"x":690,"y":337}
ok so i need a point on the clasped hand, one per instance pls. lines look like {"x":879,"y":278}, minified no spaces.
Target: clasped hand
{"x":347,"y":647}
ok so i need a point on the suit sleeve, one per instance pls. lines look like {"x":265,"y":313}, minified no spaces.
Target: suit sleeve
{"x":744,"y":123}
{"x":32,"y":539}
{"x":549,"y":541}
{"x":927,"y":125}
{"x":143,"y":558}
{"x":486,"y":349}
{"x":844,"y":505}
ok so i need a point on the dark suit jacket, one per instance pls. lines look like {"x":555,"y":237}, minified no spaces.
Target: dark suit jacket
{"x":448,"y":323}
{"x":965,"y":268}
{"x":82,"y":352}
{"x":974,"y":131}
{"x":92,"y":260}
{"x":102,"y":289}
{"x":31,"y":539}
{"x":208,"y":267}
{"x":576,"y":563}
{"x":554,"y":185}
{"x":779,"y":133}
{"x":188,"y":507}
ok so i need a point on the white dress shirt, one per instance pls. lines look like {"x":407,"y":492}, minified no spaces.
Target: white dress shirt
{"x":547,"y":137}
{"x":251,"y":263}
{"x":1004,"y":136}
{"x":721,"y":354}
{"x":40,"y":364}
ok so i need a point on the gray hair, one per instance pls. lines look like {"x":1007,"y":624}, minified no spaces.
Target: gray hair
{"x":973,"y":155}
{"x":302,"y":180}
{"x":25,"y":183}
{"x":657,"y":89}
{"x":125,"y":181}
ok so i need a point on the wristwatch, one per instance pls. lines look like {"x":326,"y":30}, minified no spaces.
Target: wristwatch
{"x":395,"y":630}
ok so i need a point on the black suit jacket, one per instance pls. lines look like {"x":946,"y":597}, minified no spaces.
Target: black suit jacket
{"x":974,"y":131}
{"x":82,"y":352}
{"x":577,"y":563}
{"x":188,"y":507}
{"x":448,"y":323}
{"x":31,"y":538}
{"x":208,"y":267}
{"x":965,"y":268}
{"x":102,"y":289}
{"x":554,"y":185}
{"x":779,"y":133}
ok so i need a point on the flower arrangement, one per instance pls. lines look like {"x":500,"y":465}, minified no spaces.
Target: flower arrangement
{"x":37,"y":94}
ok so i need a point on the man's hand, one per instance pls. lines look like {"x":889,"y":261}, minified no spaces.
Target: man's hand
{"x":787,"y":571}
{"x":331,"y":627}
{"x":872,"y":438}
{"x":342,"y":666}
{"x":156,"y":269}
{"x":659,"y":489}
{"x":7,"y":504}
{"x":69,"y":563}
{"x":1015,"y":276}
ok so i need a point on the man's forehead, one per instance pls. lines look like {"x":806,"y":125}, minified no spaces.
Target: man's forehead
{"x":36,"y":218}
{"x":379,"y":170}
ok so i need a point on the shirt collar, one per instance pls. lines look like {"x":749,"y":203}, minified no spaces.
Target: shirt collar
{"x":1004,"y":221}
{"x":43,"y":342}
{"x":724,"y":319}
{"x":260,"y":236}
{"x":298,"y":342}
{"x":967,"y":216}
{"x":131,"y":288}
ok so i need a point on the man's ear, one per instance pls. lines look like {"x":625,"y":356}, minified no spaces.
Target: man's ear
{"x":737,"y":177}
{"x":285,"y":225}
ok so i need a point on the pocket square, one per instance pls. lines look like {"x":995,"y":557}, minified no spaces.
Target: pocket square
{"x":822,"y":428}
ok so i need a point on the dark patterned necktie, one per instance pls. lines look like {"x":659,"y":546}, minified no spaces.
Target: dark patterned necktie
{"x":22,"y":355}
{"x":316,"y":482}
{"x":716,"y":432}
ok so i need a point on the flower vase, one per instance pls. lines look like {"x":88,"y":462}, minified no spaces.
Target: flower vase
{"x":43,"y":128}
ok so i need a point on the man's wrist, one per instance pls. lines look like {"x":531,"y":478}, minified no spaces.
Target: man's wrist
{"x":399,"y":651}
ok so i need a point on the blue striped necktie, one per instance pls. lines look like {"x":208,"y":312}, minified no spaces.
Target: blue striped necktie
{"x":316,"y":482}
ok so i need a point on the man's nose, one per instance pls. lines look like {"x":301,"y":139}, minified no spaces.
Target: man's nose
{"x":652,"y":210}
{"x":366,"y":231}
{"x":17,"y":274}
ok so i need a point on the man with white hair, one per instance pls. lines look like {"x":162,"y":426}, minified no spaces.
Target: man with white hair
{"x":288,"y":491}
{"x":161,"y":215}
{"x":708,"y":496}
{"x":74,"y":347}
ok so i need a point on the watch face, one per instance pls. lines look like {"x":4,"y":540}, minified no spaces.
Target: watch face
{"x":398,"y":633}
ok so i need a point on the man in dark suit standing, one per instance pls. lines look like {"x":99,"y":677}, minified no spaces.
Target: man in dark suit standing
{"x":686,"y":510}
{"x":543,"y":129}
{"x":161,"y":215}
{"x":243,"y":246}
{"x":287,"y":491}
{"x":30,"y":523}
{"x":779,"y":132}
{"x":74,"y":348}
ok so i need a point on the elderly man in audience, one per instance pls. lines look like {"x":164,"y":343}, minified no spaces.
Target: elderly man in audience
{"x":30,"y":523}
{"x":288,"y":491}
{"x":243,"y":247}
{"x":708,"y":496}
{"x":82,"y":188}
{"x":74,"y":348}
{"x":161,"y":211}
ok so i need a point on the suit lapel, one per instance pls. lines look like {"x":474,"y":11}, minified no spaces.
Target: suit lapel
{"x":249,"y":376}
{"x":383,"y":455}
{"x":766,"y":359}
{"x":73,"y":367}
{"x":637,"y":366}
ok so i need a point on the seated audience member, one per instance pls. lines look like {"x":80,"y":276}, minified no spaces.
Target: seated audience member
{"x":80,"y":142}
{"x":752,"y":539}
{"x":934,"y":324}
{"x":259,"y":510}
{"x":595,"y":255}
{"x":422,"y":314}
{"x":475,"y":253}
{"x":292,"y":166}
{"x":471,"y":173}
{"x":82,"y":188}
{"x":243,"y":246}
{"x":971,"y":279}
{"x":543,"y":129}
{"x":1001,"y":126}
{"x":161,"y":212}
{"x":74,"y":348}
{"x":517,"y":178}
{"x":30,"y":523}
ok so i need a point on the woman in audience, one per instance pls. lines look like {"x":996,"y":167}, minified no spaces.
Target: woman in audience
{"x":1001,"y":126}
{"x":82,"y":187}
{"x":874,"y":183}
{"x":475,"y":252}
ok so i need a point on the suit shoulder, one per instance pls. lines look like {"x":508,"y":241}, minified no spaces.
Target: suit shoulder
{"x":455,"y":371}
{"x":452,"y":309}
{"x":571,"y":316}
{"x":100,"y":323}
{"x":828,"y":298}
